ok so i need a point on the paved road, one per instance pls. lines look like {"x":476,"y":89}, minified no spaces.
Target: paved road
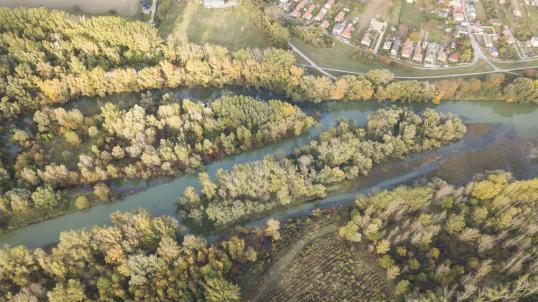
{"x":456,"y":75}
{"x":478,"y":54}
{"x":312,"y":63}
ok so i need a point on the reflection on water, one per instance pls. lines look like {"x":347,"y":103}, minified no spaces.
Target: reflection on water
{"x":507,"y":145}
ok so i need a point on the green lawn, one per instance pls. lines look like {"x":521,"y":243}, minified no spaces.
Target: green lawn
{"x":230,"y":27}
{"x":411,"y":15}
{"x":395,"y":11}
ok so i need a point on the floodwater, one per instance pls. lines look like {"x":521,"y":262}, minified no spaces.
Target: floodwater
{"x":500,"y":136}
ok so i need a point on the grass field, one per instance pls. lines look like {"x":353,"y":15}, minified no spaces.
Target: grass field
{"x":343,"y":56}
{"x":229,"y":27}
{"x":127,"y":8}
{"x":411,"y":15}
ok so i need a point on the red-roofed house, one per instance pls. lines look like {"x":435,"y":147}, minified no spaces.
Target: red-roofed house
{"x":454,"y":58}
{"x":346,"y":34}
{"x":407,"y":49}
{"x":297,"y":11}
{"x":340,"y":16}
{"x":329,"y":4}
{"x":308,"y":15}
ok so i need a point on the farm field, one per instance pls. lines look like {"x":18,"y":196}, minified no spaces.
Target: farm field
{"x":202,"y":25}
{"x":127,"y":8}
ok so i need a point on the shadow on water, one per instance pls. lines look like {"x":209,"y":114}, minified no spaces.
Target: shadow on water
{"x":504,"y":142}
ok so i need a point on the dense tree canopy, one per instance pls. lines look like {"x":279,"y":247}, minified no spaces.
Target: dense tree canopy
{"x":138,"y":258}
{"x":52,"y":57}
{"x":163,"y":136}
{"x":340,"y":154}
{"x":474,"y":243}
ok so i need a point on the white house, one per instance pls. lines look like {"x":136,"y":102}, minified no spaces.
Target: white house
{"x":534,"y":41}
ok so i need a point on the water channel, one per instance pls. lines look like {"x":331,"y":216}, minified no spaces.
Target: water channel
{"x":503,"y":136}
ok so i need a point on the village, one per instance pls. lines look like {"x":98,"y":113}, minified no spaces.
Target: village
{"x":434,"y":36}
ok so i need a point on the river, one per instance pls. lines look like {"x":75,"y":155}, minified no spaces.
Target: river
{"x":506,"y":143}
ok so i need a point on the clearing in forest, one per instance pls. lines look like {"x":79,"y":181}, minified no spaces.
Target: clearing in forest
{"x":321,"y":266}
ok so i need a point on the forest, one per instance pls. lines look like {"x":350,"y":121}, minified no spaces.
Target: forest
{"x":52,"y":57}
{"x":137,"y":258}
{"x":441,"y":243}
{"x":159,"y":136}
{"x":340,"y":154}
{"x":433,"y":241}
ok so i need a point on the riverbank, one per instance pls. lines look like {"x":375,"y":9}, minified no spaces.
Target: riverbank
{"x":518,"y":120}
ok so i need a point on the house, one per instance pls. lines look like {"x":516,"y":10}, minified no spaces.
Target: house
{"x":443,"y":13}
{"x":417,"y":57}
{"x":340,"y":16}
{"x":441,"y":56}
{"x":431,"y":54}
{"x":339,"y":28}
{"x":325,"y":24}
{"x":377,"y":25}
{"x":458,"y":14}
{"x":308,"y":15}
{"x":213,"y":3}
{"x":534,"y":41}
{"x":366,"y":40}
{"x":329,"y":4}
{"x":348,"y":31}
{"x":387,"y":45}
{"x":502,"y":2}
{"x":321,"y":14}
{"x":454,"y":57}
{"x":407,"y":49}
{"x":493,"y":51}
{"x":395,"y":47}
{"x":297,"y":11}
{"x":495,"y":22}
{"x":517,"y":12}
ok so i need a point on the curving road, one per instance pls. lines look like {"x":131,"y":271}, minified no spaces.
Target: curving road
{"x":478,"y":54}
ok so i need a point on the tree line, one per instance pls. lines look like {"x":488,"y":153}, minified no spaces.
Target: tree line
{"x":157,"y":137}
{"x":441,"y":243}
{"x":51,"y":57}
{"x":339,"y":154}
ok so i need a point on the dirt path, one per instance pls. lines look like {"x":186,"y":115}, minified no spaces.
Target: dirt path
{"x":284,"y":261}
